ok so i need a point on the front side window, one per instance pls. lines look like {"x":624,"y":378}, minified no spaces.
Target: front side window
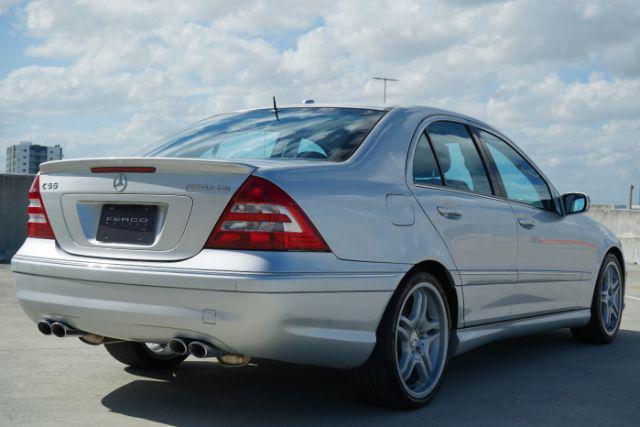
{"x":459,"y":158}
{"x":319,"y":133}
{"x":521,"y":181}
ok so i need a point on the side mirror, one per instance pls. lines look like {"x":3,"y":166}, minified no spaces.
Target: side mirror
{"x":575,"y":203}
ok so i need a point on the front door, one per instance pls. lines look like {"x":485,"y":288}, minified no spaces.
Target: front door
{"x":551,"y":253}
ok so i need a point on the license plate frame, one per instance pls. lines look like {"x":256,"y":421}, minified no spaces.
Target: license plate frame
{"x":131,"y":224}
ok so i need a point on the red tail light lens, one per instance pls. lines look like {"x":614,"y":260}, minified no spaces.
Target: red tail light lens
{"x":261,"y":216}
{"x":38,"y":224}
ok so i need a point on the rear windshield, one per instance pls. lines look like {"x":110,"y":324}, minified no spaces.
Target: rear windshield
{"x":318,"y":133}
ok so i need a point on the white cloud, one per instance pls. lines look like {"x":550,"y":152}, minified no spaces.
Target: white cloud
{"x":562,"y":78}
{"x":5,"y":5}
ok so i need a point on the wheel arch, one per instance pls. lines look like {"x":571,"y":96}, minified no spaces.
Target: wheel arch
{"x":617,"y":252}
{"x":453,"y":293}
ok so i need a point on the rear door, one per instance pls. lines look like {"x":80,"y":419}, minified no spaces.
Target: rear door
{"x":452,"y":185}
{"x":551,"y":253}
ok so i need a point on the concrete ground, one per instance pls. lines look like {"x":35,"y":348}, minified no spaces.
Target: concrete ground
{"x":547,"y":379}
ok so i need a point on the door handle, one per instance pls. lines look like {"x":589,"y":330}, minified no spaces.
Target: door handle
{"x":526,"y":221}
{"x":450,"y":212}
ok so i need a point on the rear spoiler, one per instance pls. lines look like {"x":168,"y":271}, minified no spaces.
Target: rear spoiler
{"x":161,"y":164}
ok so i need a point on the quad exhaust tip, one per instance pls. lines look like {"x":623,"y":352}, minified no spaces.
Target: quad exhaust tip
{"x":201,"y":350}
{"x":44,"y":326}
{"x":61,"y":330}
{"x":179,"y":346}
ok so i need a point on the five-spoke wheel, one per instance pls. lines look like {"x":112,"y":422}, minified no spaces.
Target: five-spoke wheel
{"x":611,"y":298}
{"x":420,"y":349}
{"x":606,"y":306}
{"x":409,"y":360}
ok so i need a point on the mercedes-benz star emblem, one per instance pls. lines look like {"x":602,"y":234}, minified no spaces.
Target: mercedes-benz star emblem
{"x":120,"y":182}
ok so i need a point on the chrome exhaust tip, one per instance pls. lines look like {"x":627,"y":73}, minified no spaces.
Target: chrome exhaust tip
{"x":61,"y":330}
{"x":201,"y":350}
{"x":44,"y":326}
{"x":178,"y":346}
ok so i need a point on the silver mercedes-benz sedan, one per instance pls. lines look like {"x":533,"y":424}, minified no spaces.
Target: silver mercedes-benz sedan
{"x":381,"y":239}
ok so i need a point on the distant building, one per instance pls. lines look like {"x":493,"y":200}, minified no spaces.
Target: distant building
{"x":25,"y":157}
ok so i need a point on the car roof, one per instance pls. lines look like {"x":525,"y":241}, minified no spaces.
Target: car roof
{"x":407,"y":109}
{"x":428,"y":111}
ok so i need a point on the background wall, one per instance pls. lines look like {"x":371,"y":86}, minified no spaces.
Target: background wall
{"x":13,"y":213}
{"x":13,"y":218}
{"x":626,"y":224}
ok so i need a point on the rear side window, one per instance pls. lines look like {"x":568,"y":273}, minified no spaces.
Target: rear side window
{"x":317,"y":133}
{"x":458,"y":157}
{"x":521,"y":181}
{"x":425,"y":168}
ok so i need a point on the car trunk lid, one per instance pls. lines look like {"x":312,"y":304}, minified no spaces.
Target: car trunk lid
{"x":137,"y":208}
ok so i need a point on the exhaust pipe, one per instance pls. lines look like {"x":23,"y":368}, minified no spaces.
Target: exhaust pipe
{"x":179,"y":346}
{"x":61,"y":330}
{"x":234,"y":360}
{"x":44,"y":326}
{"x":201,"y":350}
{"x":93,"y":339}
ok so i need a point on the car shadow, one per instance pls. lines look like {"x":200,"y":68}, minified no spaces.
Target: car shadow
{"x":545,"y":379}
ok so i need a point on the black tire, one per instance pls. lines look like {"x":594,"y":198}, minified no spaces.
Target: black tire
{"x":595,"y":331}
{"x":139,"y":356}
{"x":378,"y":380}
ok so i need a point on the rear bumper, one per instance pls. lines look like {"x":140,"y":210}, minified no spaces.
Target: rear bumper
{"x":325,"y":318}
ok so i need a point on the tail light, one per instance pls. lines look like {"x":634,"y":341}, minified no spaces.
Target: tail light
{"x":38,"y":224}
{"x":261,"y":216}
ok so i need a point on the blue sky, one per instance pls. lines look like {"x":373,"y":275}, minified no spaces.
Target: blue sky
{"x":561,"y":78}
{"x":14,"y":41}
{"x":13,"y":44}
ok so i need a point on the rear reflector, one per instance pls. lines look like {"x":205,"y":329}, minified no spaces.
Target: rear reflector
{"x":130,"y":169}
{"x":261,"y":216}
{"x":38,"y":224}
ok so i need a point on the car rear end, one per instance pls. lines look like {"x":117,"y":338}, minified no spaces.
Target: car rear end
{"x":197,"y":240}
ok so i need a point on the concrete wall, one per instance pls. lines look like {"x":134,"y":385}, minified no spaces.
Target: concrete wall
{"x":13,"y":213}
{"x":626,"y":224}
{"x":13,"y":219}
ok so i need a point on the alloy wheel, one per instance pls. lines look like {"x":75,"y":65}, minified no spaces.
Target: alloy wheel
{"x":611,"y":298}
{"x":422,"y":340}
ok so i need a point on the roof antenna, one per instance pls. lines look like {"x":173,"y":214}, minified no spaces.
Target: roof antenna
{"x":385,"y":80}
{"x":275,"y":108}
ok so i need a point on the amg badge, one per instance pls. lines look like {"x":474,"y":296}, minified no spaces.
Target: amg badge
{"x":207,"y":188}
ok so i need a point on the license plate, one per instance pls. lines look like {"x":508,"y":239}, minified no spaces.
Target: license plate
{"x":133,"y":224}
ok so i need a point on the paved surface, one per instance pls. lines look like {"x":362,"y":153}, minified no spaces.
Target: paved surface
{"x":548,"y":379}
